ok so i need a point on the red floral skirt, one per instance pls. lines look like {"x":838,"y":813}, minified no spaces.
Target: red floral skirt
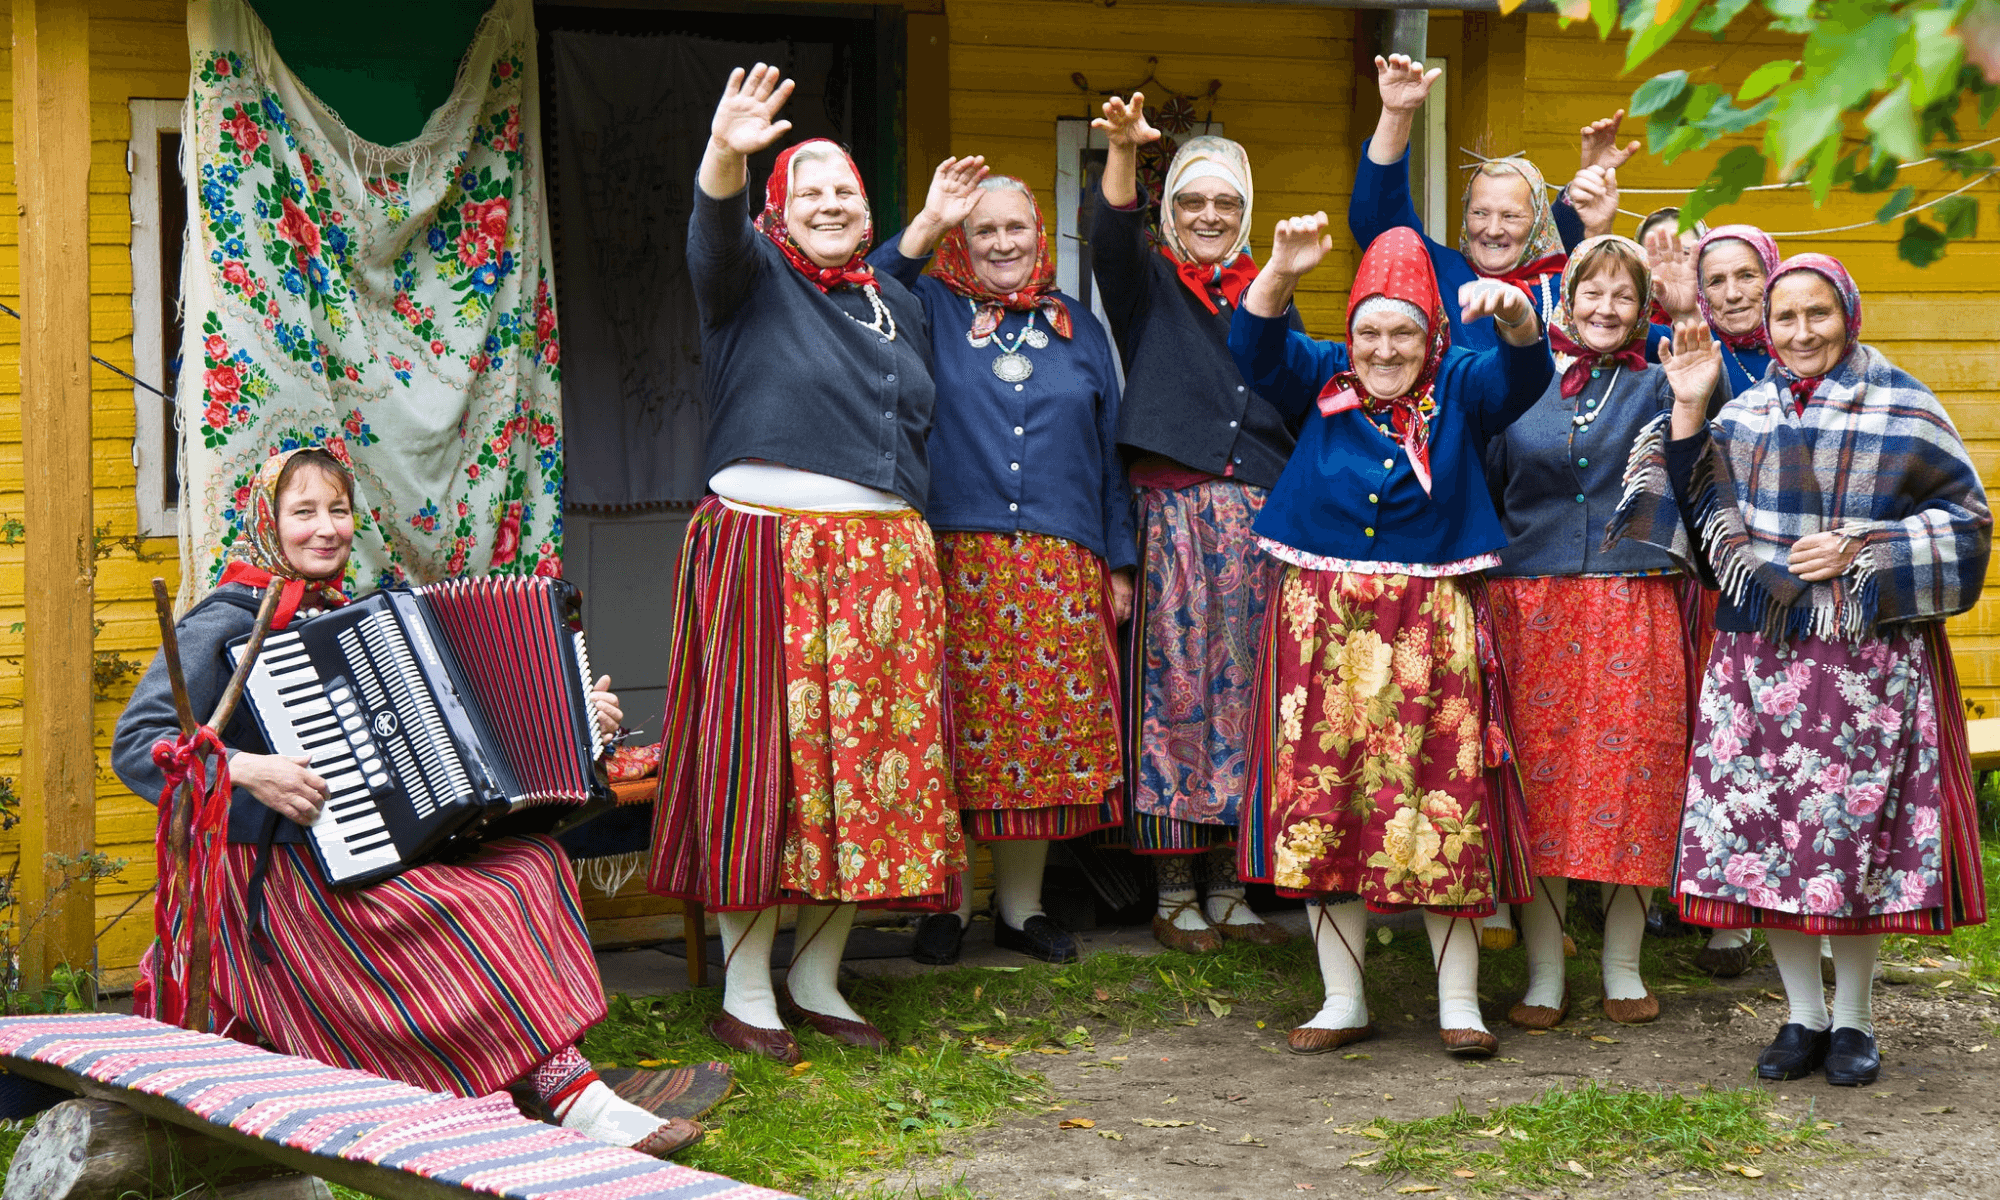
{"x":1031,"y":685}
{"x":1373,"y":759}
{"x":1596,"y":673}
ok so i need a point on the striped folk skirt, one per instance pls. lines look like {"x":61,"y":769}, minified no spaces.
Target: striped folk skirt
{"x":1031,"y":680}
{"x":1831,"y":788}
{"x":1198,"y":617}
{"x":1594,"y":669}
{"x":806,"y":759}
{"x":1374,"y":747}
{"x":456,"y":977}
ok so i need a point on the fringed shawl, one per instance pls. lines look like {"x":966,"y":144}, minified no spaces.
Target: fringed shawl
{"x":1874,"y":454}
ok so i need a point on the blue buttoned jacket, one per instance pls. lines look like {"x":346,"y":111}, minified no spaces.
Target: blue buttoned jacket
{"x":1349,"y":491}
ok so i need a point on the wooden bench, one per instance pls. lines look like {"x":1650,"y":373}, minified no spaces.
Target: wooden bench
{"x":377,"y":1136}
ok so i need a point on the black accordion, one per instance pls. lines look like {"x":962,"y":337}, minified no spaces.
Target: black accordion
{"x":451,"y":712}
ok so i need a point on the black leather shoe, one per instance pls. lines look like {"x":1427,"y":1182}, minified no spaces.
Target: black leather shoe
{"x":1039,"y":938}
{"x":1796,"y":1053}
{"x":938,"y":938}
{"x":1852,"y":1059}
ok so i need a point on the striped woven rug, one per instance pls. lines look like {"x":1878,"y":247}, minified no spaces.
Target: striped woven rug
{"x":482,"y":1144}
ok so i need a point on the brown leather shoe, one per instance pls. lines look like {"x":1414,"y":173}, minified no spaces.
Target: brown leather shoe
{"x":840,"y":1029}
{"x":1539,"y":1016}
{"x":778,"y":1044}
{"x":1188,"y":941}
{"x":1318,"y":1041}
{"x":674,"y":1134}
{"x":1255,"y":931}
{"x":1469,"y":1043}
{"x":1633,"y":1012}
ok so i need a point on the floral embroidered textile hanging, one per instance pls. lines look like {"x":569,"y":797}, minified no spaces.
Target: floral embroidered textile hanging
{"x":391,"y":302}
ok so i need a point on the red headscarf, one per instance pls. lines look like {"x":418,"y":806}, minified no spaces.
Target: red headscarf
{"x":1398,"y":267}
{"x":953,"y":266}
{"x":778,"y":191}
{"x":261,"y":560}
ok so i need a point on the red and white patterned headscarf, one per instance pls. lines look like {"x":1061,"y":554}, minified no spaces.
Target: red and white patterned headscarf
{"x":855,"y":272}
{"x":1397,"y":267}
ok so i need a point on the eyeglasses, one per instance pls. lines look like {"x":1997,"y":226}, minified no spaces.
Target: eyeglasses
{"x":1193,"y":205}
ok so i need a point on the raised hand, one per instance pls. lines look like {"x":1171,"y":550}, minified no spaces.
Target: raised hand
{"x":1598,"y":143}
{"x":1672,"y":265}
{"x":1299,"y":244}
{"x":1505,"y":303}
{"x":954,"y":194}
{"x":1124,"y":122}
{"x":1693,"y":363}
{"x":1594,"y":195}
{"x":1402,"y":83}
{"x":745,"y":119}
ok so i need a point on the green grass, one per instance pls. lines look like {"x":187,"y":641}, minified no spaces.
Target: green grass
{"x":1570,"y":1134}
{"x":1978,"y":946}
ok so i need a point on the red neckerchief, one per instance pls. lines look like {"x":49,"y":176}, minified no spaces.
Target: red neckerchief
{"x":1211,"y":283}
{"x":1758,"y":339}
{"x":1802,"y":392}
{"x":771,"y":222}
{"x":1656,"y":315}
{"x":1527,"y":275}
{"x":1632,"y":357}
{"x":291,"y":593}
{"x":1406,"y":416}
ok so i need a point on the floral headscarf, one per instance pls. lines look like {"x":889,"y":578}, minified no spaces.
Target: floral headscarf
{"x":1541,"y":250}
{"x":1397,"y":267}
{"x":953,"y":266}
{"x":1827,"y":268}
{"x":771,"y":222}
{"x":1766,"y":249}
{"x":1202,"y":157}
{"x":1568,"y":341}
{"x":260,"y":553}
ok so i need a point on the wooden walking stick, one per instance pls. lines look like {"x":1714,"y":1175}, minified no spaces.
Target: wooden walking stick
{"x":180,"y":809}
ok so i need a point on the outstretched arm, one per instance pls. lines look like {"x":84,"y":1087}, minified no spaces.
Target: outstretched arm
{"x":744,"y":123}
{"x":1403,"y":86}
{"x":1126,"y":129}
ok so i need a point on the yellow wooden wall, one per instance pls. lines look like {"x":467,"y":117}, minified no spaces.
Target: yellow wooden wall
{"x":1939,"y":322}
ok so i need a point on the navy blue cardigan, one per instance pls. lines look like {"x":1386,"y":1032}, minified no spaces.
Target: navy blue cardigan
{"x":1040,"y":456}
{"x":1349,"y":491}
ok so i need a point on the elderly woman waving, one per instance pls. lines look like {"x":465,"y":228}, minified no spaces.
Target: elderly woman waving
{"x":1034,"y":525}
{"x":1371,"y":750}
{"x":1830,"y":791}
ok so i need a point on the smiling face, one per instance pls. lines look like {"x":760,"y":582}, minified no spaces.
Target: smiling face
{"x":1000,"y":236}
{"x":1808,"y":325}
{"x":1208,"y":215}
{"x":315,"y":522}
{"x":826,"y":213}
{"x":1387,"y":349}
{"x":1499,"y":216}
{"x":1732,"y":281}
{"x":1605,"y":308}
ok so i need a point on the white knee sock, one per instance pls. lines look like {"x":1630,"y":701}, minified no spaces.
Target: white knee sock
{"x":1225,"y":904}
{"x":821,"y":940}
{"x":746,"y":984}
{"x":1798,"y":965}
{"x":600,"y":1113}
{"x":1175,"y":873}
{"x":1340,"y":935}
{"x":1542,"y":929}
{"x":1017,"y":880}
{"x":1854,"y":981}
{"x":1455,"y":953}
{"x":1624,"y":927}
{"x":1728,"y":939}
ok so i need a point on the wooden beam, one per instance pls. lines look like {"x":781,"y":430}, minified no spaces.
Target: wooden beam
{"x":1495,"y":80}
{"x":51,"y":64}
{"x":926,"y":99}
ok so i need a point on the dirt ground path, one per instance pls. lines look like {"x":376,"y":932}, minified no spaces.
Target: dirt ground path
{"x":1264,"y":1121}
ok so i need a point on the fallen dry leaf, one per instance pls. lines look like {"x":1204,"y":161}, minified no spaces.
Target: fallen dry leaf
{"x":1538,"y":1033}
{"x":1576,"y":1168}
{"x":1976,"y":1049}
{"x":1363,"y":1163}
{"x":1747,"y":1008}
{"x":1249,"y":1139}
{"x":1935,"y":1112}
{"x":1353,"y":1057}
{"x":800,"y":1068}
{"x":1373,"y":1132}
{"x":1077,"y":1123}
{"x":651,"y":1064}
{"x":1750,"y":1172}
{"x":1304,"y":1187}
{"x":1156,"y":1123}
{"x":1415,"y":1188}
{"x":1609,"y":1041}
{"x":1462,"y":1173}
{"x":1112,"y":1134}
{"x":1210,"y":1128}
{"x":1050,"y":1050}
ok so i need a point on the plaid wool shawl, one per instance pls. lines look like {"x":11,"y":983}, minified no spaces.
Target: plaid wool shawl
{"x":1874,"y":454}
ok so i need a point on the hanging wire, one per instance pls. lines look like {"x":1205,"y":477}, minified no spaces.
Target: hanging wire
{"x":112,"y":367}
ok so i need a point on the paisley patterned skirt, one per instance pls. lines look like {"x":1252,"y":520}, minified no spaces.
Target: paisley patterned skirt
{"x":1372,"y":746}
{"x":1831,"y":788}
{"x":805,"y":757}
{"x":1031,"y":683}
{"x":1595,"y":672}
{"x":1199,"y":617}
